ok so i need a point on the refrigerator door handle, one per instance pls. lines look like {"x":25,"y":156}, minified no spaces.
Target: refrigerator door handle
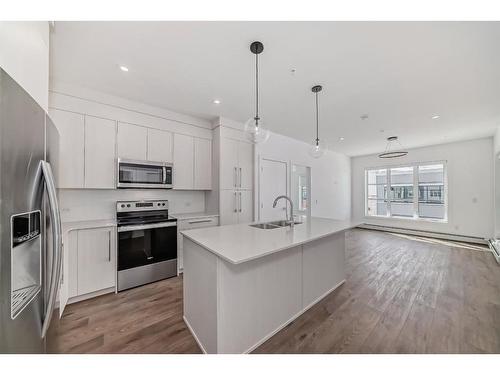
{"x":56,"y":240}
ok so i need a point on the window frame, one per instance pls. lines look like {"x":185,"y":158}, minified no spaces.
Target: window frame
{"x":389,"y":197}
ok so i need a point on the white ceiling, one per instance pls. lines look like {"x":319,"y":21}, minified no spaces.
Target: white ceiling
{"x":399,"y":73}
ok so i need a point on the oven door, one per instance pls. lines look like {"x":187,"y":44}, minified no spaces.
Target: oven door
{"x":144,"y":174}
{"x":140,"y":245}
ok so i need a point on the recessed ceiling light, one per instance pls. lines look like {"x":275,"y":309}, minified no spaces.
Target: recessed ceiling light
{"x":216,"y":101}
{"x":341,"y":138}
{"x":123,"y":68}
{"x":435,"y":117}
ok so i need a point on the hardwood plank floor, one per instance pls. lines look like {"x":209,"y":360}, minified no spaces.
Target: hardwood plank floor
{"x":401,"y":295}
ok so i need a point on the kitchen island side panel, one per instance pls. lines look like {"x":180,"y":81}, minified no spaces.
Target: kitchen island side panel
{"x":200,"y":294}
{"x":257,"y":298}
{"x":323,"y":267}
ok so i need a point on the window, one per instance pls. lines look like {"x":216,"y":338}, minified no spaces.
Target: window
{"x":411,"y":191}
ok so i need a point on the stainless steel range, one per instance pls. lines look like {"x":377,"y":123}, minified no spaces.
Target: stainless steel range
{"x":147,"y":242}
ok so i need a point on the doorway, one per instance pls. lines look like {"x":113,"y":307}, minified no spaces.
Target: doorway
{"x":300,"y":183}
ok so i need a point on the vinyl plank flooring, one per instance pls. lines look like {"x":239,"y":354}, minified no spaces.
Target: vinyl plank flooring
{"x":402,"y":295}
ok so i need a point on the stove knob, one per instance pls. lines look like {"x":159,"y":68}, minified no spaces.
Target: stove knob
{"x":164,"y":204}
{"x":159,"y":204}
{"x":128,"y":205}
{"x":123,"y":206}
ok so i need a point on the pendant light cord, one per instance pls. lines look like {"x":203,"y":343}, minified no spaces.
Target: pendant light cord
{"x":257,"y":89}
{"x":317,"y":121}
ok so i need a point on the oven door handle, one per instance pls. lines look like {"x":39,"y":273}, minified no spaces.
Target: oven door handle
{"x":129,"y":228}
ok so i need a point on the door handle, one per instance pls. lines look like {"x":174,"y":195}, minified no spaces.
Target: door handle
{"x":55,"y":217}
{"x":235,"y":177}
{"x":109,"y":246}
{"x":240,"y":201}
{"x":240,"y":176}
{"x":235,"y":203}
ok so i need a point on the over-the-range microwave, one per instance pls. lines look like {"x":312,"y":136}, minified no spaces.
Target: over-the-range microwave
{"x":140,"y":174}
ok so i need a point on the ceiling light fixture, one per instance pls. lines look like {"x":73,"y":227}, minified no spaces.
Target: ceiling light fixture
{"x":435,"y":117}
{"x":316,"y":149}
{"x":341,"y":138}
{"x":391,"y":152}
{"x":254,"y":130}
{"x":123,"y":68}
{"x":216,"y":101}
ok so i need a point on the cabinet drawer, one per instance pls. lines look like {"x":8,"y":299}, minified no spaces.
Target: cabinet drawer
{"x":200,"y":222}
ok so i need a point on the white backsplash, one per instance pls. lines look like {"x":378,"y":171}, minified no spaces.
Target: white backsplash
{"x":89,"y":204}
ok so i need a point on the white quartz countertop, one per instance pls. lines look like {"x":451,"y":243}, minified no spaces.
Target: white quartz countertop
{"x":87,"y":224}
{"x":241,"y":243}
{"x":193,"y":215}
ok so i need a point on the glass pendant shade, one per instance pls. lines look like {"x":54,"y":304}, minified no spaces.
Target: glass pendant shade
{"x":255,"y":132}
{"x":317,"y":149}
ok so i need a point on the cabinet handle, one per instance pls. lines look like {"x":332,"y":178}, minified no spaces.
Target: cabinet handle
{"x":200,"y":221}
{"x":240,"y":202}
{"x":235,"y":177}
{"x":235,"y":203}
{"x":240,"y":176}
{"x":109,"y":246}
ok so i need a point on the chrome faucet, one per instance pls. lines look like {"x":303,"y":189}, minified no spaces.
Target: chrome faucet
{"x":291,"y":207}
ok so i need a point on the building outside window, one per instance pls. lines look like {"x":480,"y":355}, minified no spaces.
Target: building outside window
{"x":390,"y":191}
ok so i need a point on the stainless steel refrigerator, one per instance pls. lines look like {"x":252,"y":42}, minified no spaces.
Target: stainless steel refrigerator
{"x":30,"y":225}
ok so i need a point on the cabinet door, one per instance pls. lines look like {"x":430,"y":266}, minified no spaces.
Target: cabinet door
{"x":245,"y":211}
{"x":160,"y":145}
{"x":228,"y":163}
{"x":96,"y":260}
{"x":245,"y":159}
{"x":132,"y":141}
{"x":100,"y":163}
{"x":229,"y":200}
{"x":183,"y":162}
{"x":70,"y":170}
{"x":202,"y":164}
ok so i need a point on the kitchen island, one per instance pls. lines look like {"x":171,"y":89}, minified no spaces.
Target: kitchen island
{"x":243,"y":284}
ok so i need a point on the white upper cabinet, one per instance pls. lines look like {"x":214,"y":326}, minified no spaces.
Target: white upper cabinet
{"x":236,"y":164}
{"x":71,"y":127}
{"x":229,"y":163}
{"x":100,"y":164}
{"x":160,"y":145}
{"x":202,"y":164}
{"x":183,"y":177}
{"x":132,"y":141}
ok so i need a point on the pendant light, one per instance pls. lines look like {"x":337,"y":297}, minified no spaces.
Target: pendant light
{"x":392,"y":151}
{"x":254,"y":130}
{"x":317,"y":149}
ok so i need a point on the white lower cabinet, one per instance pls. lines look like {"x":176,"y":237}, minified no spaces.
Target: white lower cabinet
{"x":185,"y":224}
{"x":91,"y":263}
{"x":236,"y":206}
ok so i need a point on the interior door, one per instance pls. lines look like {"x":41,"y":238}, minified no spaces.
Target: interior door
{"x":272,"y":183}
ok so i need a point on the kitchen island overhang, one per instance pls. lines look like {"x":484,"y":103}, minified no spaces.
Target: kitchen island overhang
{"x":244,"y":284}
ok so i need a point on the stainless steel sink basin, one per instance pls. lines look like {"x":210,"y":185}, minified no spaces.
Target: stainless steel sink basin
{"x":283,"y":223}
{"x":274,"y":224}
{"x":265,"y":226}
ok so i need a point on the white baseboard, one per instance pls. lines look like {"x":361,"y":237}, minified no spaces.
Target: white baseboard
{"x":423,"y":233}
{"x":194,"y":334}
{"x":83,"y":297}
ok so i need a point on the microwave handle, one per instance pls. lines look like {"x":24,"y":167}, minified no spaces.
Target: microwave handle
{"x":164,"y":175}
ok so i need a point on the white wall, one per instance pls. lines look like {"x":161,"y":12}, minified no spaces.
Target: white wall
{"x":96,"y":204}
{"x":470,"y":187}
{"x":330,"y":174}
{"x":496,"y":173}
{"x":24,"y":55}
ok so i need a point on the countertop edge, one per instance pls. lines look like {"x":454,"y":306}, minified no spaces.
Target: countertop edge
{"x":185,"y":234}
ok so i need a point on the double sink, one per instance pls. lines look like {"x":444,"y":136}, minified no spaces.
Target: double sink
{"x":275,"y":224}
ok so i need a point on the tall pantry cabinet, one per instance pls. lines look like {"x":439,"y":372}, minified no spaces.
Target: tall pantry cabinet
{"x":233,"y":169}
